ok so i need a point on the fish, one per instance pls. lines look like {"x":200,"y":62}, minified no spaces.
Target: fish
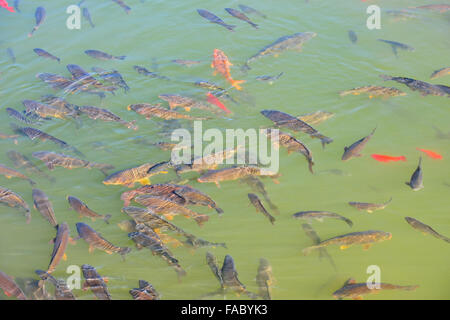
{"x":369,"y":207}
{"x":11,"y":54}
{"x":239,"y":15}
{"x":145,"y":72}
{"x":196,"y":242}
{"x":440,"y":73}
{"x":425,"y":229}
{"x":292,"y":42}
{"x":207,"y":162}
{"x":397,"y":45}
{"x":62,"y":291}
{"x":250,"y":10}
{"x":214,"y":19}
{"x":16,"y":5}
{"x":355,"y":149}
{"x":187,"y":103}
{"x":211,"y":260}
{"x":259,"y":207}
{"x":312,"y":234}
{"x":9,"y":136}
{"x":87,"y":16}
{"x":431,"y":154}
{"x":233,"y":173}
{"x":10,"y":173}
{"x":59,"y":246}
{"x":14,"y":200}
{"x":52,"y":160}
{"x":400,"y":15}
{"x":316,"y":117}
{"x":95,"y":282}
{"x":282,"y":119}
{"x":169,"y":208}
{"x":113,"y":77}
{"x":320,"y":215}
{"x":416,"y":181}
{"x":292,"y":145}
{"x":434,"y":7}
{"x":352,"y":36}
{"x":105,"y":115}
{"x":83,"y":210}
{"x":84,"y":78}
{"x":96,"y":241}
{"x":44,"y":110}
{"x":44,"y":206}
{"x":100,"y":55}
{"x":354,"y":290}
{"x":423,"y":87}
{"x":230,"y":278}
{"x":40,"y":16}
{"x":386,"y":158}
{"x":13,"y":113}
{"x":10,"y":287}
{"x":60,"y":104}
{"x":128,"y":177}
{"x":264,"y":279}
{"x":365,"y":238}
{"x":127,"y":225}
{"x":184,"y":62}
{"x":440,"y":134}
{"x":145,"y":292}
{"x":45,"y":54}
{"x":221,"y":64}
{"x":155,"y":245}
{"x":150,"y":110}
{"x":257,"y":186}
{"x":213,"y":100}
{"x":270,"y":79}
{"x":374,"y":91}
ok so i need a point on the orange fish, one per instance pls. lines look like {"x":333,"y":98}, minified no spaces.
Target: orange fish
{"x":212,"y":99}
{"x":430,"y":153}
{"x":384,"y":158}
{"x":221,"y":64}
{"x":5,"y":5}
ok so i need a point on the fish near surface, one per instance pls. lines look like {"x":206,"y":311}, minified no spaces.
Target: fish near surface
{"x":440,"y":73}
{"x":233,"y":173}
{"x":10,"y":287}
{"x":145,"y":292}
{"x":270,"y":79}
{"x":80,"y":207}
{"x":256,"y":185}
{"x":264,"y":279}
{"x":59,"y":246}
{"x":113,"y":77}
{"x":40,"y":15}
{"x":250,"y":10}
{"x":397,"y":45}
{"x":214,"y":19}
{"x":369,"y":207}
{"x":44,"y":206}
{"x":355,"y":291}
{"x":95,"y":282}
{"x":374,"y":91}
{"x":259,"y":207}
{"x":355,"y":149}
{"x":145,"y":72}
{"x":149,"y":111}
{"x":425,"y":229}
{"x":105,"y":115}
{"x":128,"y":177}
{"x":62,"y":291}
{"x":416,"y":181}
{"x":13,"y":113}
{"x":42,"y":53}
{"x":423,"y":87}
{"x":96,"y":241}
{"x":316,"y":117}
{"x":13,"y":200}
{"x":239,"y":15}
{"x":10,"y":173}
{"x":320,"y":215}
{"x":102,"y":55}
{"x":365,"y":238}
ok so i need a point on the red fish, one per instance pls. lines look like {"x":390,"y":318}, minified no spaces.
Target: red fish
{"x":430,"y":153}
{"x":212,"y":99}
{"x":221,"y":64}
{"x":5,"y":5}
{"x":384,"y":158}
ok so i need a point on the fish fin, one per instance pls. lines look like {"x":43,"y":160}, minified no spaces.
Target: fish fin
{"x":168,"y":216}
{"x":366,"y":246}
{"x":144,"y":181}
{"x":235,"y":83}
{"x":106,"y":218}
{"x":358,"y":298}
{"x":64,"y":257}
{"x":91,"y":249}
{"x":343,"y":247}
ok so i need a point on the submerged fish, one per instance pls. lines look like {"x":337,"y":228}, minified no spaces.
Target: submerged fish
{"x":312,"y":234}
{"x":145,"y":72}
{"x":369,"y":207}
{"x":128,"y":177}
{"x":87,"y":16}
{"x":316,"y":117}
{"x":145,"y":292}
{"x":213,"y":100}
{"x":256,"y":185}
{"x":113,"y":77}
{"x":374,"y":91}
{"x":10,"y":173}
{"x":352,"y":36}
{"x":95,"y":282}
{"x":320,"y":215}
{"x":250,"y":10}
{"x":425,"y":229}
{"x":221,"y":64}
{"x":40,"y":16}
{"x":22,"y":161}
{"x":211,"y":260}
{"x":123,"y":6}
{"x":233,"y":173}
{"x":230,"y":278}
{"x":83,"y":210}
{"x":44,"y":206}
{"x":13,"y":200}
{"x":150,"y":110}
{"x":440,"y":73}
{"x":355,"y":149}
{"x":59,"y":246}
{"x":19,"y":116}
{"x":102,"y":55}
{"x":43,"y":110}
{"x":264,"y":279}
{"x":397,"y":45}
{"x":45,"y":54}
{"x":62,"y":291}
{"x":354,"y":290}
{"x":431,"y":154}
{"x":11,"y":54}
{"x":185,"y":62}
{"x":416,"y":181}
{"x":237,"y":14}
{"x":96,"y":241}
{"x":423,"y":87}
{"x":10,"y":287}
{"x":270,"y":79}
{"x":214,"y":19}
{"x":259,"y":207}
{"x":365,"y":238}
{"x":106,"y":115}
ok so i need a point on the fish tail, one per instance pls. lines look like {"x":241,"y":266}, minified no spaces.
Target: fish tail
{"x":201,"y":219}
{"x":348,"y":221}
{"x":230,"y":27}
{"x":385,"y":77}
{"x":235,"y":83}
{"x":107,"y":217}
{"x":219,"y":210}
{"x":310,"y":165}
{"x":254,"y":25}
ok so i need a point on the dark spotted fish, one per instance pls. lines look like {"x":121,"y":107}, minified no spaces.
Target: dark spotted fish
{"x":416,"y":181}
{"x":44,"y":206}
{"x":250,"y":10}
{"x":103,"y":55}
{"x":145,"y":292}
{"x":95,"y":282}
{"x":13,"y":200}
{"x":10,"y":287}
{"x":214,"y":19}
{"x":22,"y":161}
{"x":123,"y":6}
{"x":369,"y":207}
{"x":425,"y":229}
{"x":105,"y":115}
{"x":45,"y":54}
{"x":320,"y":215}
{"x":312,"y":234}
{"x":423,"y":87}
{"x":62,"y":291}
{"x":264,"y":279}
{"x":19,"y":116}
{"x":59,"y":246}
{"x":237,"y":14}
{"x":352,"y":36}
{"x":40,"y":15}
{"x":87,"y":16}
{"x":259,"y":207}
{"x":397,"y":45}
{"x":83,"y":210}
{"x":282,"y":119}
{"x":355,"y":149}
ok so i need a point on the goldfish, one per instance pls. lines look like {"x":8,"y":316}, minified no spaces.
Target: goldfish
{"x":385,"y":158}
{"x":221,"y":64}
{"x":431,"y":154}
{"x":5,"y":5}
{"x":213,"y":100}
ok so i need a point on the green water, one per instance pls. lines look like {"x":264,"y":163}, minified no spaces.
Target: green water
{"x":156,"y":32}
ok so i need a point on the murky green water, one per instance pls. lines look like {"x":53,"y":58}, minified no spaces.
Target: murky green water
{"x":156,"y":32}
